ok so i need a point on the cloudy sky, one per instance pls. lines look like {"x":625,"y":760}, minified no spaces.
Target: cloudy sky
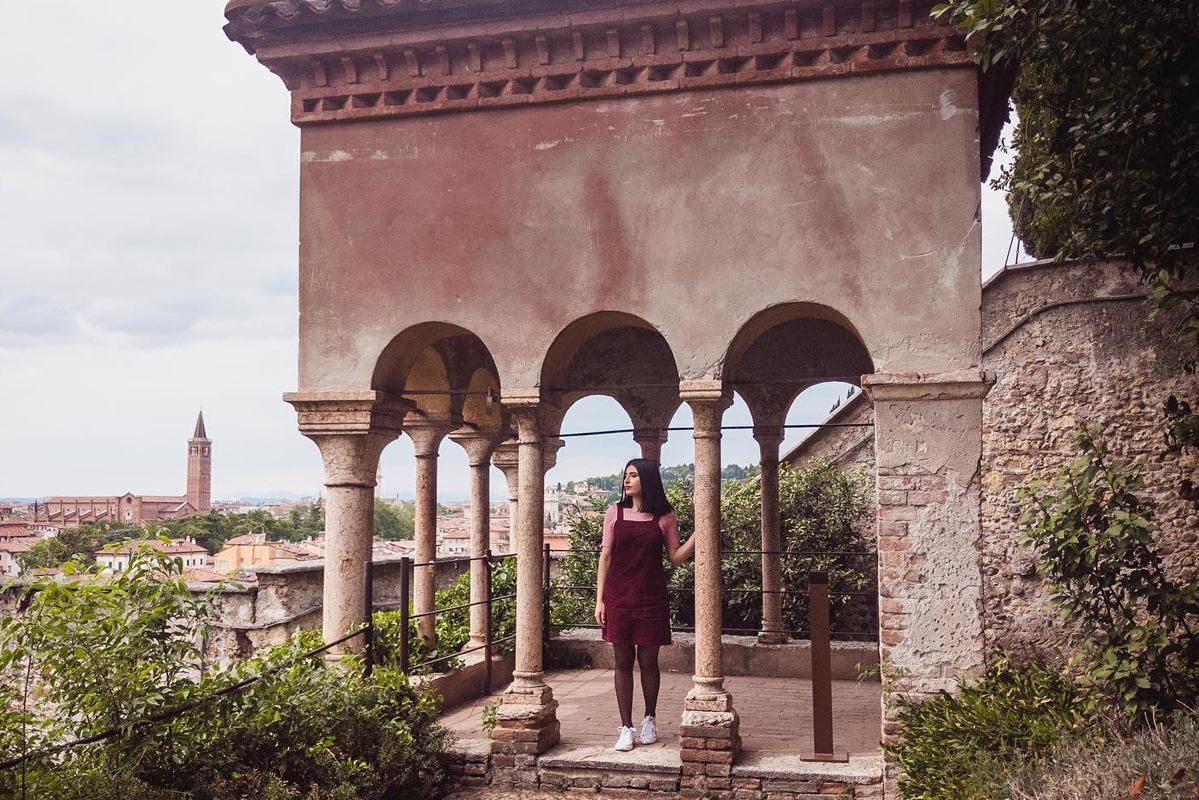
{"x":148,"y":203}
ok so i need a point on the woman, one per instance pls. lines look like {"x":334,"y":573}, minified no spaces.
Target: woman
{"x":631,"y":604}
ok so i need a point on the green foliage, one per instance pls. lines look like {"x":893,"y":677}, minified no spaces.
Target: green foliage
{"x":452,"y":627}
{"x":821,"y":509}
{"x":585,"y":531}
{"x":1108,"y":98}
{"x":1107,"y":92}
{"x":954,"y":747}
{"x":1095,"y":540}
{"x":392,"y":523}
{"x":99,"y":653}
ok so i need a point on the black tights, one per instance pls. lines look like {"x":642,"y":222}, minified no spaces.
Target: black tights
{"x":651,"y":679}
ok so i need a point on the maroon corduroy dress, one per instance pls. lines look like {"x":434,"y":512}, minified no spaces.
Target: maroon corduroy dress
{"x":635,"y":600}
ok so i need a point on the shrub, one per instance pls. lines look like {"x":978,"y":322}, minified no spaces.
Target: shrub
{"x":101,"y":653}
{"x":1095,"y":541}
{"x":953,"y":747}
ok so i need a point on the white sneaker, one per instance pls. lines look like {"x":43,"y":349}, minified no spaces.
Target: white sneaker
{"x":625,"y":740}
{"x":649,"y":730}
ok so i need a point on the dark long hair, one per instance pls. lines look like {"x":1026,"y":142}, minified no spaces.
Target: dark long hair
{"x":653,"y":496}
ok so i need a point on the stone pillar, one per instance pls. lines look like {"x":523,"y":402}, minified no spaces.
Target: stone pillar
{"x":709,"y":733}
{"x":526,"y":722}
{"x":479,"y":446}
{"x":769,"y":438}
{"x":928,"y":444}
{"x":506,"y":459}
{"x":351,"y":429}
{"x":651,"y":441}
{"x":426,"y":433}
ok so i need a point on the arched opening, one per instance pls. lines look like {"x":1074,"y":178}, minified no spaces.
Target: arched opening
{"x":801,"y":364}
{"x":451,"y":377}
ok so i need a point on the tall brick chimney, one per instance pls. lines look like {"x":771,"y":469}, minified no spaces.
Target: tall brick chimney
{"x":199,"y":468}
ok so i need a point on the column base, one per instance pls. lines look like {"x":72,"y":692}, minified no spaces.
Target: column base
{"x":709,"y":740}
{"x":709,"y":743}
{"x":773,"y":637}
{"x":526,"y":726}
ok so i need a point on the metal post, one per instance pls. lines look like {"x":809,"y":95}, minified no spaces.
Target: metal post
{"x":487,"y":622}
{"x":405,"y":595}
{"x":545,"y":622}
{"x":822,"y":673}
{"x":368,"y":607}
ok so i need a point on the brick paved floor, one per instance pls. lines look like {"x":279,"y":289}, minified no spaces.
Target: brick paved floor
{"x":776,"y":713}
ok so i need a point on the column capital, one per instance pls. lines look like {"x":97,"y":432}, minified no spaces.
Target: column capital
{"x":706,"y":391}
{"x":769,"y":437}
{"x":365,"y":411}
{"x":479,"y":445}
{"x":428,"y":429}
{"x":549,"y":451}
{"x":351,"y":429}
{"x":963,"y":384}
{"x":506,"y":455}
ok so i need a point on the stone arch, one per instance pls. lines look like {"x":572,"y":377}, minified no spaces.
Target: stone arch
{"x":619,"y":355}
{"x":441,"y":357}
{"x":786,"y":348}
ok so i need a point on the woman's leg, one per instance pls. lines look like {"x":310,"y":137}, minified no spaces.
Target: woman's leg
{"x":624,"y":682}
{"x":651,"y":676}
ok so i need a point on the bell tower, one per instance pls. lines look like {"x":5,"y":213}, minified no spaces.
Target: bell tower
{"x":199,"y":468}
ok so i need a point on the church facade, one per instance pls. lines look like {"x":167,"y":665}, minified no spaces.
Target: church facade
{"x":136,"y":509}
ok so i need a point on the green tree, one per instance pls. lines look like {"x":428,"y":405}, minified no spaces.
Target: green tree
{"x":392,"y":524}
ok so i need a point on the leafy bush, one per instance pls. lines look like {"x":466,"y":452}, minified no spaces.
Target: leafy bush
{"x":953,"y":747}
{"x":821,"y":509}
{"x":100,"y":653}
{"x":1095,"y":541}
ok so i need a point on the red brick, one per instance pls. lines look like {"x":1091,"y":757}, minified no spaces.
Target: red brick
{"x":707,"y":756}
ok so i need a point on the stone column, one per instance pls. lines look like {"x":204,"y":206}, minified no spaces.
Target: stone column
{"x":928,"y":445}
{"x":426,"y":432}
{"x":351,"y":429}
{"x":527,"y":723}
{"x":651,"y":441}
{"x":769,"y":438}
{"x":506,"y":459}
{"x":709,"y":732}
{"x":479,"y":446}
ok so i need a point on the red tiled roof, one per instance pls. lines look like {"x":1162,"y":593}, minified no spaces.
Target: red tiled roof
{"x":174,"y":547}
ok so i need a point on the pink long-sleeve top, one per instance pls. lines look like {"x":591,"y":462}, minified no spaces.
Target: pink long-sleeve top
{"x":669,"y":524}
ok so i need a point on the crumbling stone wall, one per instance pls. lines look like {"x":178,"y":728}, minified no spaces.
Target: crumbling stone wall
{"x":1089,"y":361}
{"x":1069,"y":344}
{"x":285,"y":599}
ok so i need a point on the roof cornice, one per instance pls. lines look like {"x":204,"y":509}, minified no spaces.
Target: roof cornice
{"x":369,"y":59}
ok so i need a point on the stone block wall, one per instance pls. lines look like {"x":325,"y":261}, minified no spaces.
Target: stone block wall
{"x":1069,"y":344}
{"x":1087,"y":361}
